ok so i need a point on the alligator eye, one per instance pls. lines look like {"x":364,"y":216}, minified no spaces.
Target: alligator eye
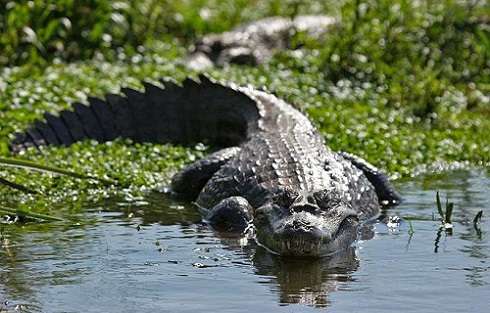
{"x":282,"y":200}
{"x":354,"y":219}
{"x":326,"y":201}
{"x":349,"y":222}
{"x":260,"y":217}
{"x":285,"y":198}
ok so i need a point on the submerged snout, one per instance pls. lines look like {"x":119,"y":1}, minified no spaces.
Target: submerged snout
{"x":306,"y":234}
{"x":306,"y":230}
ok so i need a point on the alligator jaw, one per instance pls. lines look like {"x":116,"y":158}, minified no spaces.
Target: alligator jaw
{"x":305,"y":234}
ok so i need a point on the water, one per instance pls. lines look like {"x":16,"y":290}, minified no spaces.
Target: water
{"x":155,"y":256}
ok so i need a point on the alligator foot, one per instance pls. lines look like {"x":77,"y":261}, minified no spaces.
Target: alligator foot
{"x":231,"y":214}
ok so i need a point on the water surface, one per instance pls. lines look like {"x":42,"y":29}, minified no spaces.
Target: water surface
{"x":153,"y":255}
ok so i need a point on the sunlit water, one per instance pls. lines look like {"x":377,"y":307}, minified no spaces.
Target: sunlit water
{"x":155,"y":256}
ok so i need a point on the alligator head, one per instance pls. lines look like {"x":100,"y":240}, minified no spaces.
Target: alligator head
{"x":306,"y":223}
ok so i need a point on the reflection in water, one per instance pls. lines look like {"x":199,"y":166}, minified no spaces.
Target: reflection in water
{"x":447,"y":232}
{"x":7,"y":307}
{"x":468,"y":190}
{"x":28,"y":252}
{"x":100,"y":258}
{"x":306,"y":280}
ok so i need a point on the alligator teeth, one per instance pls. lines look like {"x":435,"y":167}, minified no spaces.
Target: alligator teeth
{"x":304,"y":247}
{"x":283,"y":246}
{"x":315,"y":247}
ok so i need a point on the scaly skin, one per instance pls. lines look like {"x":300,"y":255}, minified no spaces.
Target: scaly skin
{"x":275,"y":173}
{"x":255,"y":42}
{"x":302,"y":198}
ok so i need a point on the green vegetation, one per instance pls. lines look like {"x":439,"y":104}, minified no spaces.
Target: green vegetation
{"x":477,"y":218}
{"x":445,"y":214}
{"x":37,"y":31}
{"x":411,"y":231}
{"x":18,"y":163}
{"x":404,"y":84}
{"x":476,"y":223}
{"x":24,"y":214}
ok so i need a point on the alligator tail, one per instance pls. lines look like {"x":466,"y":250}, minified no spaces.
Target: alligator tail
{"x":196,"y":111}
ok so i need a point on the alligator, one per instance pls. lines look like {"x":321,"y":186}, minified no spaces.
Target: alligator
{"x":273,"y":173}
{"x":254,"y":43}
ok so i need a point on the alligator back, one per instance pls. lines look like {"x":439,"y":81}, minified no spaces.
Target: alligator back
{"x":302,"y":198}
{"x":195,"y":112}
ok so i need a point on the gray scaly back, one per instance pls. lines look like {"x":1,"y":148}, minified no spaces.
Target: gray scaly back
{"x":274,"y":172}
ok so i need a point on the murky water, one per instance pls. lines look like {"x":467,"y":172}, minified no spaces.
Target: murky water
{"x":155,"y":256}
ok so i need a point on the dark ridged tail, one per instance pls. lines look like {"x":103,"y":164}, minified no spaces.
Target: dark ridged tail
{"x":193,"y":112}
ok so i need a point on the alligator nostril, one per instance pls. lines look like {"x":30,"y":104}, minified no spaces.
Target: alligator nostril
{"x":301,"y":225}
{"x":309,"y":208}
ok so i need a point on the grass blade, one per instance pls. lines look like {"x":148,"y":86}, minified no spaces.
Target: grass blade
{"x":439,"y":206}
{"x":28,"y":214}
{"x":16,"y":186}
{"x":449,"y":211}
{"x":45,"y":168}
{"x":411,"y":231}
{"x":477,"y":218}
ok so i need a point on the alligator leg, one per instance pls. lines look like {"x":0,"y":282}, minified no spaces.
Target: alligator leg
{"x":384,"y":189}
{"x":232,"y":214}
{"x":191,"y":180}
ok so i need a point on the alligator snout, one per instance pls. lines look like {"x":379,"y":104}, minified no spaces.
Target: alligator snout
{"x":310,"y":208}
{"x":306,"y":234}
{"x":303,"y":228}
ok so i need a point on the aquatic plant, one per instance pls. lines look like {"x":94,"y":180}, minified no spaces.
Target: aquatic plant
{"x":411,"y":230}
{"x":446,"y":214}
{"x":476,"y":223}
{"x":477,"y":218}
{"x":16,"y":186}
{"x":18,"y":163}
{"x":23,"y":213}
